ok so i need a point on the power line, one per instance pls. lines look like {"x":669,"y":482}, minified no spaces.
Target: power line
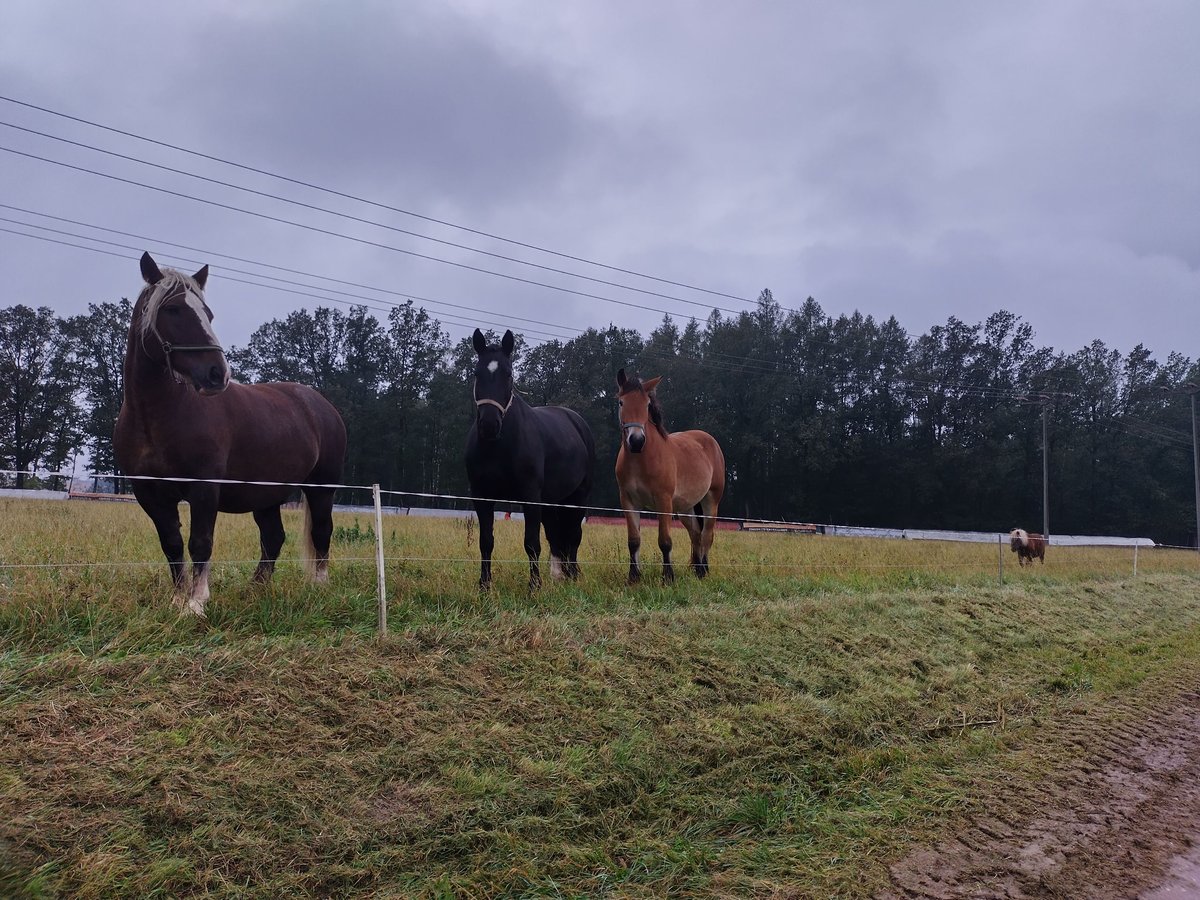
{"x":1162,"y":439}
{"x":360,"y":220}
{"x":751,"y":363}
{"x":347,"y":237}
{"x":384,"y":206}
{"x":723,"y":361}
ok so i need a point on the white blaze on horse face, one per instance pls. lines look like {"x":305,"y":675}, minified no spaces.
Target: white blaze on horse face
{"x":196,"y":304}
{"x":493,"y":366}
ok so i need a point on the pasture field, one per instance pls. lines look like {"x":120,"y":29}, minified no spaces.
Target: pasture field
{"x":784,"y":728}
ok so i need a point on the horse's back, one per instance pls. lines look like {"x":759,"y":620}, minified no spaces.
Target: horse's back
{"x":283,"y":427}
{"x":698,"y":452}
{"x":570,"y":452}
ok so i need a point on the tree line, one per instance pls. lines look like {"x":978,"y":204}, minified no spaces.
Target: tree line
{"x":827,"y":419}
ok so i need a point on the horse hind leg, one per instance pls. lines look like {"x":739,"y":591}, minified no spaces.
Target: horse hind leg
{"x":708,"y":529}
{"x":694,"y":529}
{"x":572,"y":520}
{"x":318,"y":532}
{"x":270,"y":539}
{"x":552,"y":521}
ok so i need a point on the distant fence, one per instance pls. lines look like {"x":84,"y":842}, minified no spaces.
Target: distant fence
{"x":601,"y":515}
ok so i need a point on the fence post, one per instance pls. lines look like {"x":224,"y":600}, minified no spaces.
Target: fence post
{"x":1000,"y":556}
{"x":1135,"y":546}
{"x":382,"y":625}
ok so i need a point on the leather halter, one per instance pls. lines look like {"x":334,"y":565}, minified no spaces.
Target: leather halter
{"x":168,"y":348}
{"x":496,"y":403}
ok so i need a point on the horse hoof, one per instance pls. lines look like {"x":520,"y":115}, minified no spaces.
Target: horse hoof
{"x":192,"y":609}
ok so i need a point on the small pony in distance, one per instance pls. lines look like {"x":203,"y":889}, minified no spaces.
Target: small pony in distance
{"x":1028,"y":547}
{"x":682,"y":473}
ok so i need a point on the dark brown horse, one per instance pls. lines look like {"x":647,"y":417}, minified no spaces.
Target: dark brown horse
{"x":182,"y":417}
{"x":1028,"y":547}
{"x":680,"y":473}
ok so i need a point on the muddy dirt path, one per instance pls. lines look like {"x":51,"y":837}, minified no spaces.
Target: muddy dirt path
{"x":1122,"y":823}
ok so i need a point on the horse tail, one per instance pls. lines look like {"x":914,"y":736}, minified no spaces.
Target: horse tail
{"x":308,"y":550}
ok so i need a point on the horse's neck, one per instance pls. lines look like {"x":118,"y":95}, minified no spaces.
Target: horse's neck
{"x":150,"y":389}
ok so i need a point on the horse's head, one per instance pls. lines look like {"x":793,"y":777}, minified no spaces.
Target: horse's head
{"x":1018,"y":538}
{"x":637,"y":406}
{"x":493,"y":388}
{"x":176,"y":327}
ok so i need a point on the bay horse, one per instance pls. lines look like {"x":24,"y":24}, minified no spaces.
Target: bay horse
{"x":530,"y":455}
{"x":682,"y":473}
{"x":182,"y":416}
{"x":1027,"y":546}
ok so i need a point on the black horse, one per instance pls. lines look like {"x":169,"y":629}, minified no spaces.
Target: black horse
{"x":531,"y":455}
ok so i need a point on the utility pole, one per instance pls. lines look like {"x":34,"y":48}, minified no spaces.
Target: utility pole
{"x":1043,"y":400}
{"x":1192,"y":389}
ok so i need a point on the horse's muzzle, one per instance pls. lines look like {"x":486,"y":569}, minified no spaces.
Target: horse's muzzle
{"x":213,"y":380}
{"x":489,"y":424}
{"x":635,"y":441}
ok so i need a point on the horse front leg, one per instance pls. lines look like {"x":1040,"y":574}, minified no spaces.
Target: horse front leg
{"x":203,"y":502}
{"x":165,"y":516}
{"x":633,"y":529}
{"x":533,"y":543}
{"x":270,"y":540}
{"x":664,"y":538}
{"x":485,"y":511}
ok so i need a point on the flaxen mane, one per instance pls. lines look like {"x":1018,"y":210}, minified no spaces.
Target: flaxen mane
{"x":155,"y":295}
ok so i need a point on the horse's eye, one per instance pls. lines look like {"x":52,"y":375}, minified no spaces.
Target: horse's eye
{"x":173,"y":310}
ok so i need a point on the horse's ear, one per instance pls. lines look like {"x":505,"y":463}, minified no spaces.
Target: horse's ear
{"x":651,"y":383}
{"x":478,"y":341}
{"x":201,"y":277}
{"x":621,"y":379}
{"x":150,"y":270}
{"x":506,"y":343}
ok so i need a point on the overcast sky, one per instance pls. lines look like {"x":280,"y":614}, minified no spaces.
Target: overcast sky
{"x":920,"y":160}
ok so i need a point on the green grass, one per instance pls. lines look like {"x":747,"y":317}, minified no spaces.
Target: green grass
{"x":777,"y":729}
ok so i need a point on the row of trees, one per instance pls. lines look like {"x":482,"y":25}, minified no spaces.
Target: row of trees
{"x":846,"y":419}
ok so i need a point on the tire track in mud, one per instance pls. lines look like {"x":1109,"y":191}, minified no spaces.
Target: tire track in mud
{"x":1109,"y":826}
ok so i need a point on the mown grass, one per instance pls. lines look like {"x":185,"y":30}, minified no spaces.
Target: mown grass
{"x":774,"y":730}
